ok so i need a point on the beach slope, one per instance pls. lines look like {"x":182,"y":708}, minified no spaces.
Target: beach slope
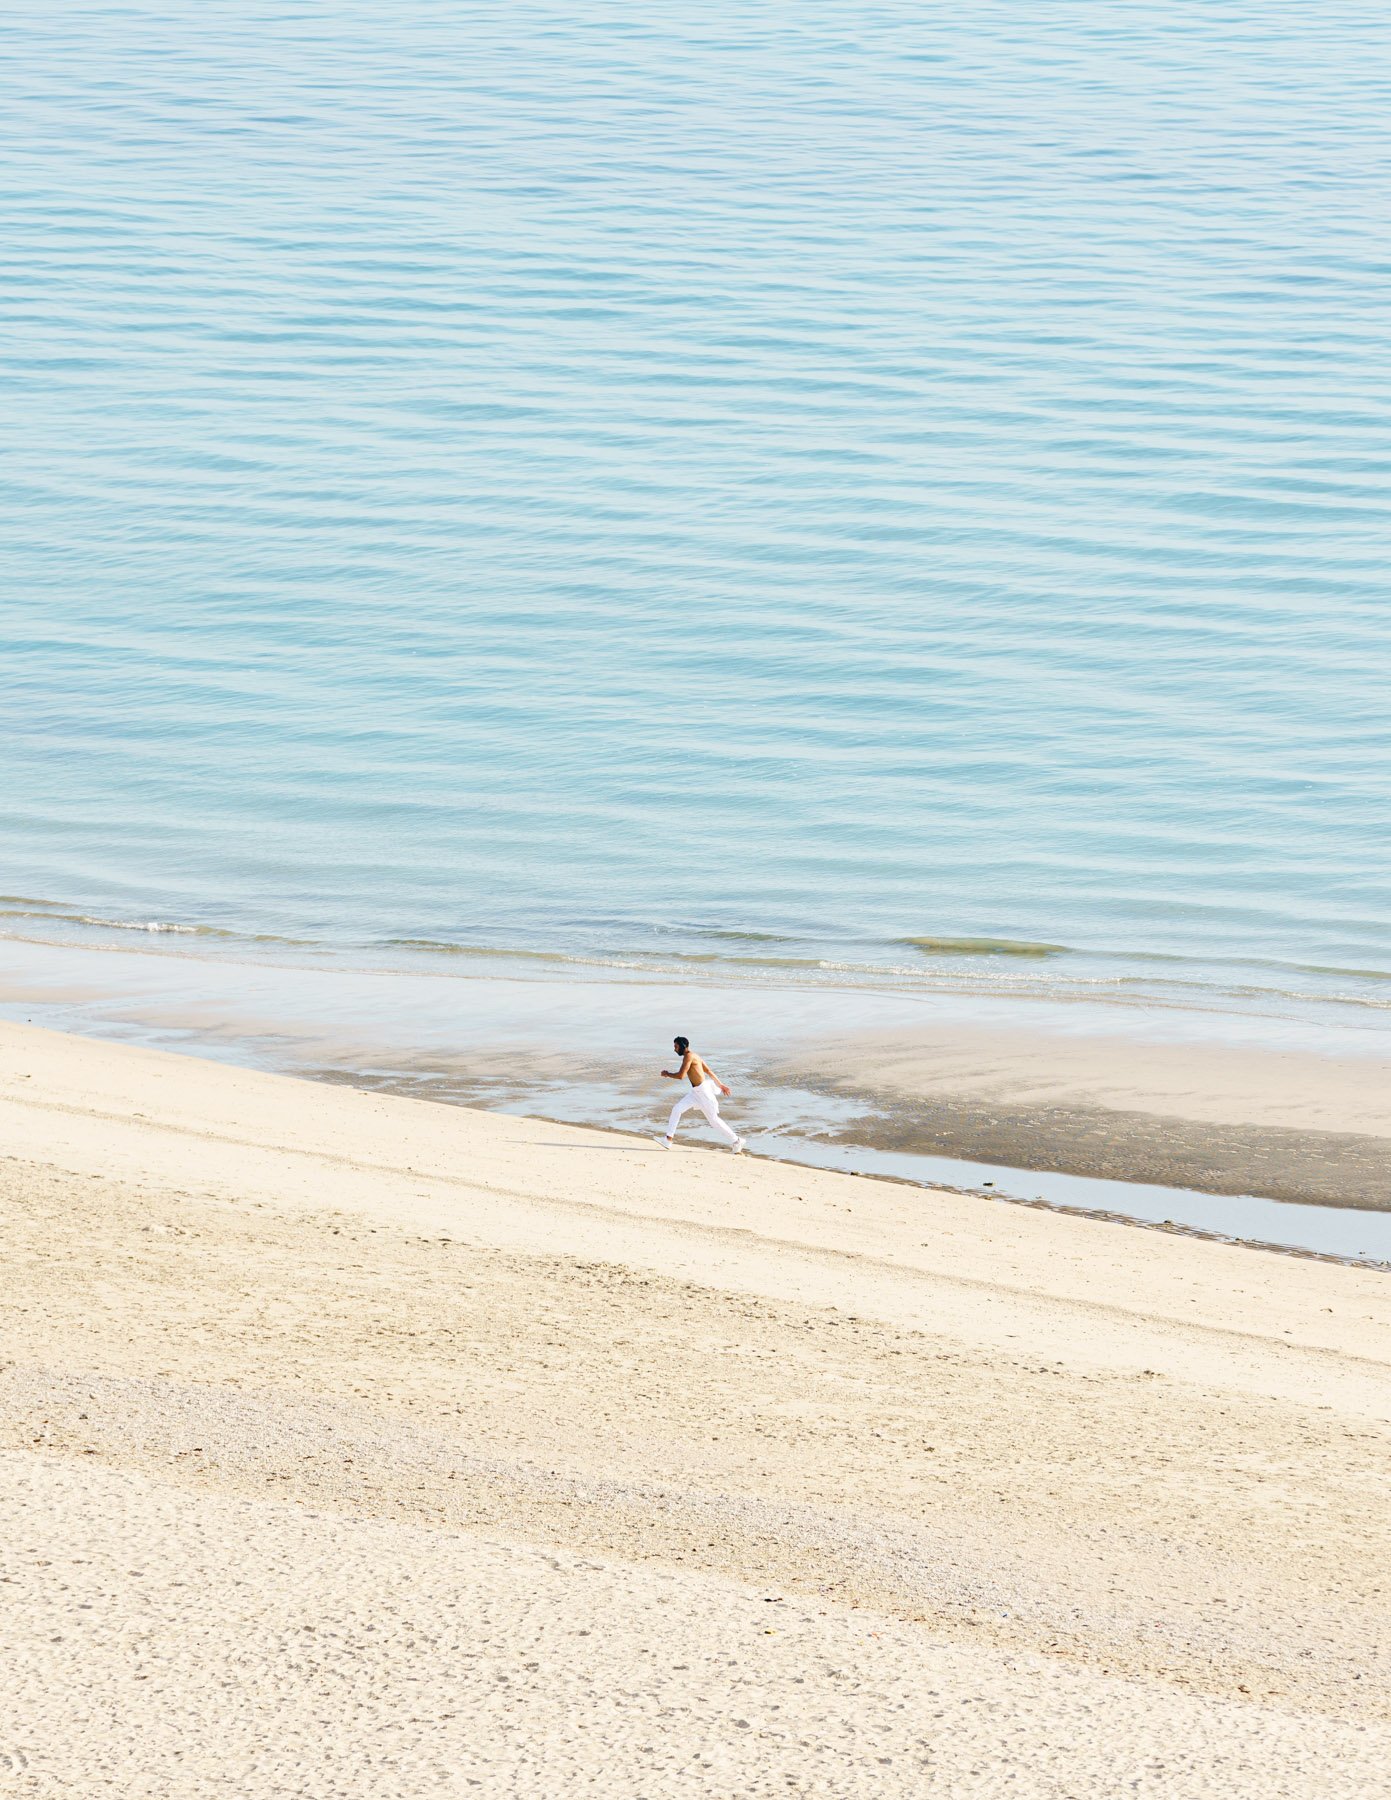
{"x":355,"y":1445}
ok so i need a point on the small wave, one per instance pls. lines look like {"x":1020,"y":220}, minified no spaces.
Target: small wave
{"x":650,"y":960}
{"x":982,"y":946}
{"x":442,"y":947}
{"x":741,"y":937}
{"x":53,"y":912}
{"x":15,"y":906}
{"x":1332,"y":969}
{"x":151,"y":925}
{"x":753,"y":962}
{"x":615,"y":959}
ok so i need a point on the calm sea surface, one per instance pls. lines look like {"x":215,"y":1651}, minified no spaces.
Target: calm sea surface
{"x":877,"y":494}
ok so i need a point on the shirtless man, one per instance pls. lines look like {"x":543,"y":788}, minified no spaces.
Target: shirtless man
{"x":704,"y":1081}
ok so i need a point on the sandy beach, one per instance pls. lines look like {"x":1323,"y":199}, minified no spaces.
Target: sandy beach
{"x":354,"y":1445}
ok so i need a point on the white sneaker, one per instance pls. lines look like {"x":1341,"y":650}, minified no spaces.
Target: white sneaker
{"x":737,"y":1147}
{"x":665,"y":1142}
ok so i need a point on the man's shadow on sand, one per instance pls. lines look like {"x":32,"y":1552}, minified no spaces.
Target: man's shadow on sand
{"x":620,"y":1149}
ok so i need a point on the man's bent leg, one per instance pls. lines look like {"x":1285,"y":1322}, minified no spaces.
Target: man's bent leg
{"x":706,"y":1100}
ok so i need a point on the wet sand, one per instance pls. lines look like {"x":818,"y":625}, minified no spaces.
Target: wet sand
{"x":1178,"y":1098}
{"x":1286,"y":1124}
{"x":350,"y":1444}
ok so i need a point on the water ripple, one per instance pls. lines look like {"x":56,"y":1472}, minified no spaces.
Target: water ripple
{"x":879,"y":475}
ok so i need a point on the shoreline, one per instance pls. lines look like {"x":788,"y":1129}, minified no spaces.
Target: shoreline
{"x":1000,"y":1196}
{"x":432,"y":1368}
{"x":1255,"y":1137}
{"x":979,"y":967}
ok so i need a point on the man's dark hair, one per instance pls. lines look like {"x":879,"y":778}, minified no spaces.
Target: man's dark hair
{"x":682,"y":1044}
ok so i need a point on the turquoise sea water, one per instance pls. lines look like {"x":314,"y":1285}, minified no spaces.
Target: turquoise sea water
{"x":842,"y":494}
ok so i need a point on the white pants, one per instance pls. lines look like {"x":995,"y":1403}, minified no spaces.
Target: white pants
{"x":706,"y":1098}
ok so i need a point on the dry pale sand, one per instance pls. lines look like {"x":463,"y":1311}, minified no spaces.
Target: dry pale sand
{"x":351,"y":1445}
